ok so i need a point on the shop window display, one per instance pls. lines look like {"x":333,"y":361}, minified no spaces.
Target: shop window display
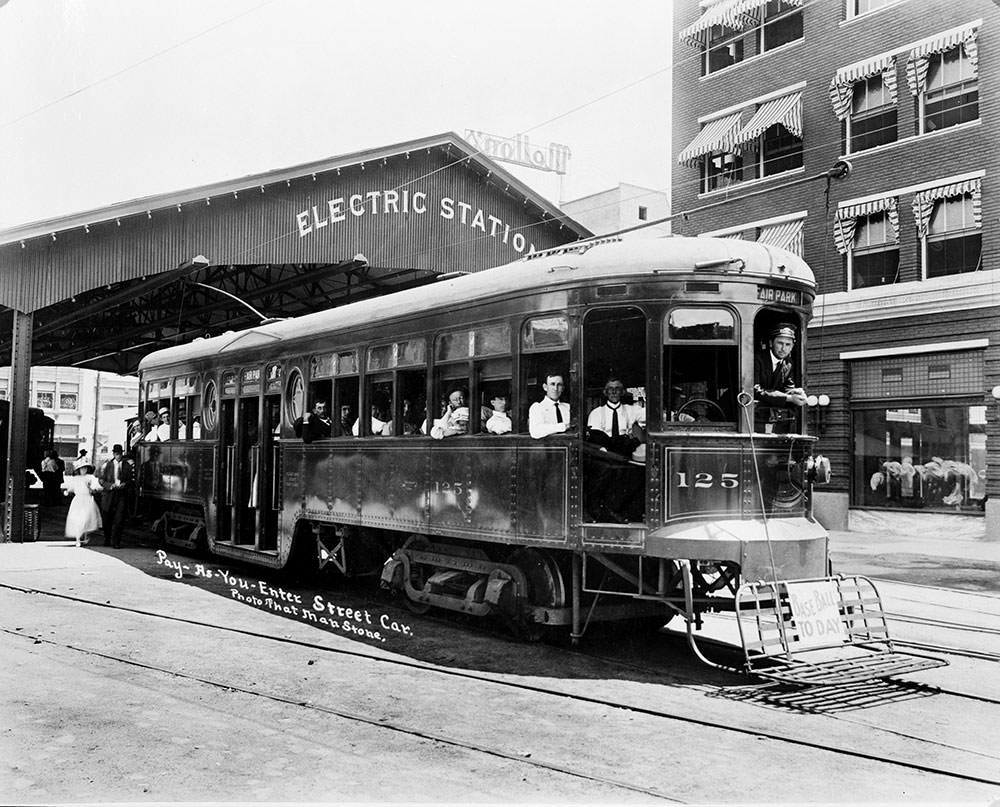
{"x":928,"y":457}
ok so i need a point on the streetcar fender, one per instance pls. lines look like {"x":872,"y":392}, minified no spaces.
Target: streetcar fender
{"x":799,"y":547}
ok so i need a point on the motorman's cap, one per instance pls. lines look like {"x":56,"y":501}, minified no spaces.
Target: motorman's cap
{"x":783,"y":329}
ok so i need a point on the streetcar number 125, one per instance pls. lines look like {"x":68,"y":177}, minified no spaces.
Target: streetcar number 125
{"x":703,"y":480}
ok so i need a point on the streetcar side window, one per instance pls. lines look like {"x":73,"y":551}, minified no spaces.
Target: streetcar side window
{"x":412,"y":402}
{"x":319,"y":391}
{"x":380,"y":396}
{"x":345,"y":405}
{"x":451,"y":402}
{"x":535,"y":368}
{"x":544,"y":352}
{"x":701,"y":366}
{"x":493,"y":385}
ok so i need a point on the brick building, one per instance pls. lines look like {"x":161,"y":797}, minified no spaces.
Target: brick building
{"x":770,"y":95}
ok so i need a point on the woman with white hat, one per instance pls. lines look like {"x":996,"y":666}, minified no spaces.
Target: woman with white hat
{"x":84,"y":516}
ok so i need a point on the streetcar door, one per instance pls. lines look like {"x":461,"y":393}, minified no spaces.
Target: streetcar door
{"x":227,"y":464}
{"x":246,"y":510}
{"x":614,"y":415}
{"x":269,"y":472}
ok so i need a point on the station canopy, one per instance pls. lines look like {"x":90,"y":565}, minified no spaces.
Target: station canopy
{"x":108,"y":286}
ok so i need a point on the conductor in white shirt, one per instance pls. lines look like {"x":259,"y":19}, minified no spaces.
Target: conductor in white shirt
{"x":549,"y":415}
{"x":613,"y":490}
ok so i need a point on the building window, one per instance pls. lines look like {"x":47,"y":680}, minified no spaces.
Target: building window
{"x":724,"y":48}
{"x":874,"y":260}
{"x":954,"y":242}
{"x":873,"y":115}
{"x":725,"y":34}
{"x":952,"y":95}
{"x":45,"y":394}
{"x":643,"y":213}
{"x":867,"y":233}
{"x":720,"y":171}
{"x":921,"y":457}
{"x":68,"y":400}
{"x":779,"y":150}
{"x":782,"y":24}
{"x":855,"y":8}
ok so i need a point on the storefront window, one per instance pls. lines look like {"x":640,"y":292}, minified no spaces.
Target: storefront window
{"x":930,"y":458}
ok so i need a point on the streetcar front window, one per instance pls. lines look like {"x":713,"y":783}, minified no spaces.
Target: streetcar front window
{"x":701,"y":366}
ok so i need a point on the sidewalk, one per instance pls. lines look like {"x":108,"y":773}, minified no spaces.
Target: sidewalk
{"x":929,"y":554}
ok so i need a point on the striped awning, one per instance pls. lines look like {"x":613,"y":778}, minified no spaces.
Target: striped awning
{"x":916,"y":65}
{"x":735,"y":14}
{"x":786,"y":110}
{"x":786,"y":235}
{"x":716,"y":135}
{"x":923,"y":202}
{"x":842,"y":85}
{"x":847,"y":218}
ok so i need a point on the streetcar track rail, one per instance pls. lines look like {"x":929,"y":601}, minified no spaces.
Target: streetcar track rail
{"x":360,"y":718}
{"x":533,"y":688}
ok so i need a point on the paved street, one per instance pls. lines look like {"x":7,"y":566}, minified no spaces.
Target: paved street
{"x":222,"y":697}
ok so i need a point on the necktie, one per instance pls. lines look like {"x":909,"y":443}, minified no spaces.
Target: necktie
{"x":558,"y":413}
{"x":615,"y":429}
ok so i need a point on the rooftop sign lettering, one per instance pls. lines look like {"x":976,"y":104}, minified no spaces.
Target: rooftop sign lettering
{"x":404,"y":202}
{"x":519,"y":150}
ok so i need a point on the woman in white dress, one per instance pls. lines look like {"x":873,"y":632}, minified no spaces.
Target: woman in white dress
{"x":84,"y":515}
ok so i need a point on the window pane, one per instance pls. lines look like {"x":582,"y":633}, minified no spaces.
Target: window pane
{"x":725,"y":47}
{"x":721,"y":171}
{"x":347,"y":363}
{"x":876,"y":268}
{"x":701,"y":323}
{"x":873,"y":129}
{"x":491,"y":340}
{"x":926,"y":458}
{"x":783,"y":29}
{"x":951,"y":215}
{"x":782,"y":150}
{"x":952,"y":256}
{"x":453,"y":346}
{"x":701,"y":383}
{"x":545,"y":332}
{"x":380,"y":358}
{"x":410,"y":353}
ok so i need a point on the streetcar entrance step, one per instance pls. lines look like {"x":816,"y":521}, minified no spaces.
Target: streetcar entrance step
{"x":826,"y":631}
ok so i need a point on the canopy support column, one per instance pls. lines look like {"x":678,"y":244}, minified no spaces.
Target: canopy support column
{"x":17,"y":426}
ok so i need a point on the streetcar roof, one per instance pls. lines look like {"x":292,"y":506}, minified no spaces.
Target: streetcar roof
{"x":582,"y":261}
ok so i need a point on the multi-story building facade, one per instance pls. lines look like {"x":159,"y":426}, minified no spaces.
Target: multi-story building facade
{"x":89,"y":407}
{"x":621,"y":208}
{"x":900,"y":95}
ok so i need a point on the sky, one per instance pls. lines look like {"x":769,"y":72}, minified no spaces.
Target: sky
{"x":104,"y":101}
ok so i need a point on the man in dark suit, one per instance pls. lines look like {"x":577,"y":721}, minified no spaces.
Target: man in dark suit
{"x":774,"y":387}
{"x":117,"y":479}
{"x":315,"y":425}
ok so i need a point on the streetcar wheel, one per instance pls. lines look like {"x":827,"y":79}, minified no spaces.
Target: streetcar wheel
{"x":546,"y":589}
{"x":418,"y":576}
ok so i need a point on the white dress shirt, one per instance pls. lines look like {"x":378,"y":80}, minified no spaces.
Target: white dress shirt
{"x":602,"y":417}
{"x":542,"y":419}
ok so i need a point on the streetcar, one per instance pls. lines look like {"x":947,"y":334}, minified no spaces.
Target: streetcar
{"x":40,"y":438}
{"x":507,"y":524}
